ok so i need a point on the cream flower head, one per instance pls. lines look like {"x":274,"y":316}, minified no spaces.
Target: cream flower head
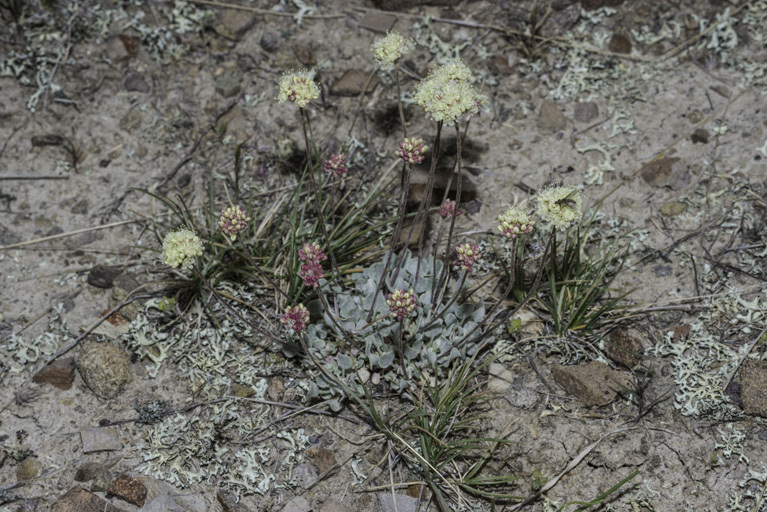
{"x":298,"y":87}
{"x":447,"y":94}
{"x":390,"y":48}
{"x":180,"y":247}
{"x":454,"y":70}
{"x":561,"y":206}
{"x":515,"y":222}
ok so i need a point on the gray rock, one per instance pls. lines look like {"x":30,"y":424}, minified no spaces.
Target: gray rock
{"x":80,"y":208}
{"x":228,"y":85}
{"x":592,"y":383}
{"x":100,"y":439}
{"x":520,"y":394}
{"x":404,"y":502}
{"x":297,"y":504}
{"x":551,"y":119}
{"x":377,"y":22}
{"x":28,"y":469}
{"x":136,"y":83}
{"x":77,"y":241}
{"x":306,"y":474}
{"x":162,"y":503}
{"x":102,"y":479}
{"x":105,"y":368}
{"x":586,"y":111}
{"x":499,"y":378}
{"x":233,"y":23}
{"x":353,"y":82}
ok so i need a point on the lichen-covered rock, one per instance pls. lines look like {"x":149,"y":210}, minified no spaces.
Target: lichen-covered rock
{"x":105,"y":368}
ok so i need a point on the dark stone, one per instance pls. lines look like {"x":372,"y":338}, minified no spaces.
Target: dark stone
{"x":102,"y":276}
{"x":86,"y":472}
{"x":699,"y":136}
{"x":623,"y":348}
{"x":499,"y":65}
{"x":304,"y":54}
{"x":129,"y":489}
{"x":270,"y":42}
{"x":619,"y":44}
{"x":49,"y":139}
{"x":60,"y":373}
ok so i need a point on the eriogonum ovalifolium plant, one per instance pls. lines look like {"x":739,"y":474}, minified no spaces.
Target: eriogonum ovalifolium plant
{"x":374,"y":351}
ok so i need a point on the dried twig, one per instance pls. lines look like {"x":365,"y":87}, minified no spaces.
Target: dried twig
{"x":64,"y":235}
{"x":22,"y":177}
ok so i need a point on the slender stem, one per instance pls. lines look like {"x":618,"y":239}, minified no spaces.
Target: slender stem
{"x":445,"y":275}
{"x":401,"y":117}
{"x":313,"y":181}
{"x":434,"y":264}
{"x":394,"y":238}
{"x":401,"y":348}
{"x":422,"y":207}
{"x":399,"y":103}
